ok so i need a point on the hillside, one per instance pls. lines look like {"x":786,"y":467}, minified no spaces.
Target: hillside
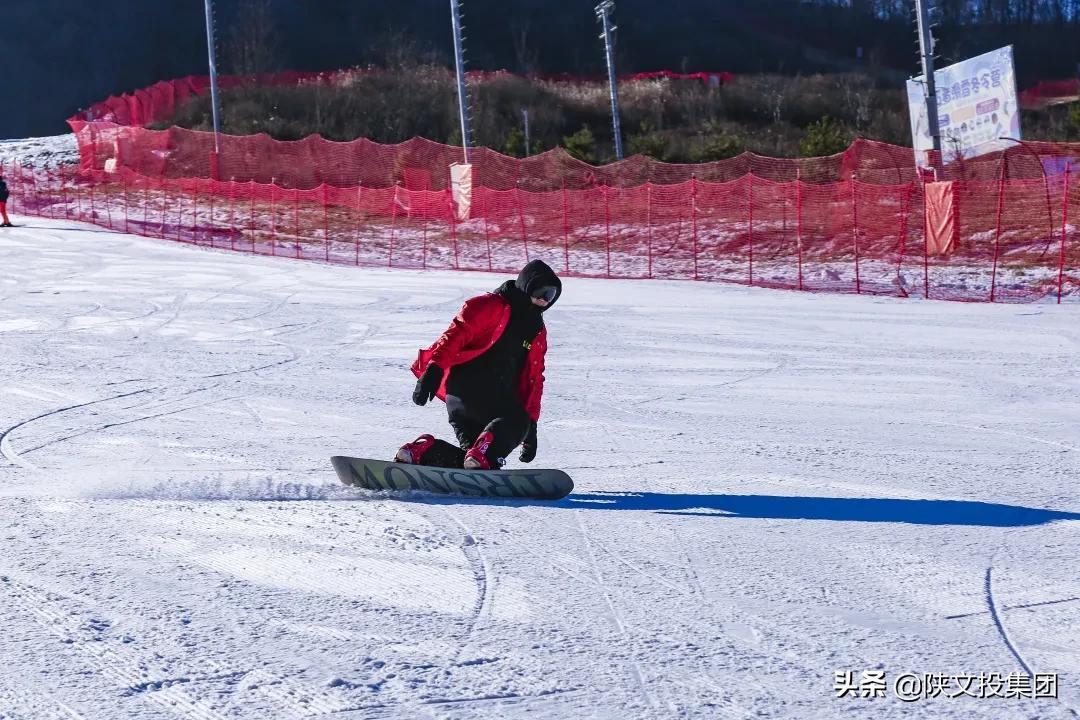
{"x":672,"y":120}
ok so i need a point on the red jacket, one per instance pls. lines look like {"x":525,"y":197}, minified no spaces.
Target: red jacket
{"x":476,"y":327}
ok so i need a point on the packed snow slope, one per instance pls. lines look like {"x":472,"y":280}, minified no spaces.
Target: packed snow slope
{"x":772,"y":487}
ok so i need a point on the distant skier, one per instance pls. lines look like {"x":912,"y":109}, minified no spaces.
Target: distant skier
{"x":489,"y":368}
{"x":4,"y":194}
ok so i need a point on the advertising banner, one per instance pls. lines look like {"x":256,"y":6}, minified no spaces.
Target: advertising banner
{"x":977,"y":105}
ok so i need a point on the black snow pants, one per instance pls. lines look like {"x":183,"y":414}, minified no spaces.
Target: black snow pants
{"x":505,"y":418}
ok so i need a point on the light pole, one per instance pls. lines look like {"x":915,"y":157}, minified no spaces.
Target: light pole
{"x":213,"y":87}
{"x":926,"y":50}
{"x":603,"y":14}
{"x":525,"y":117}
{"x":462,"y":90}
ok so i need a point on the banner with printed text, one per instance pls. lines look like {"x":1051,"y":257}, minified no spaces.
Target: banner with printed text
{"x":977,"y":105}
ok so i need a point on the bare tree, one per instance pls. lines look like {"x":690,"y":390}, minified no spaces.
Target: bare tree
{"x":525,"y":50}
{"x":252,"y":46}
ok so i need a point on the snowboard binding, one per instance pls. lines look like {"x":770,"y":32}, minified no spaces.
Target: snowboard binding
{"x":430,"y":451}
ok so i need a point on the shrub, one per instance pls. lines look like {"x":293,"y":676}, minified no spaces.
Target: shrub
{"x":581,"y":144}
{"x":514,"y":146}
{"x":648,"y":142}
{"x":676,"y":120}
{"x":1074,"y":118}
{"x":824,"y":137}
{"x":720,"y":146}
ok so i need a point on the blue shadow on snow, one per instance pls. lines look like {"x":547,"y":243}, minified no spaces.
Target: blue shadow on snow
{"x":778,"y":507}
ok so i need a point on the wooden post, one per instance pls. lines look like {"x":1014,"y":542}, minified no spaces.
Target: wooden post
{"x":356,"y":235}
{"x":393,"y":225}
{"x":926,"y":245}
{"x":93,"y":212}
{"x":565,"y":230}
{"x":487,"y":232}
{"x":251,"y":211}
{"x":997,"y":233}
{"x":648,"y":222}
{"x":124,"y":176}
{"x":325,"y":224}
{"x":1064,"y":230}
{"x":798,"y":222}
{"x":108,"y":212}
{"x":296,"y":221}
{"x":232,"y":213}
{"x":423,"y":235}
{"x":521,"y":222}
{"x":750,"y":224}
{"x":195,"y":212}
{"x":607,"y":227}
{"x":905,"y":208}
{"x":164,"y":203}
{"x":452,"y":213}
{"x":64,"y":198}
{"x":693,"y":218}
{"x":855,"y":233}
{"x":78,"y":200}
{"x":179,"y":210}
{"x":210,"y":199}
{"x":273,"y":216}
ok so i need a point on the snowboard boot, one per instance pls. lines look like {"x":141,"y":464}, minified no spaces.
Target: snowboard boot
{"x":427,"y":450}
{"x":476,"y":458}
{"x":413,"y":453}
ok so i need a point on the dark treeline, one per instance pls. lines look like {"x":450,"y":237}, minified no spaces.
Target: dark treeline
{"x":60,"y":55}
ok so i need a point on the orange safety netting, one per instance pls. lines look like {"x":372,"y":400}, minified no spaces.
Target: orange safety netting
{"x":1014,"y":240}
{"x":420,"y":164}
{"x":110,"y":135}
{"x":856,"y":221}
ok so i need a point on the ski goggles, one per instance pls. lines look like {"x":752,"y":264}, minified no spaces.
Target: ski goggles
{"x":546,"y":293}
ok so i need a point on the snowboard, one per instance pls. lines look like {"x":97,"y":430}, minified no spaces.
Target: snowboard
{"x":382,"y":475}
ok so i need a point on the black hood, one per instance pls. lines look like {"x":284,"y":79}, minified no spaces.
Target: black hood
{"x":537,"y":274}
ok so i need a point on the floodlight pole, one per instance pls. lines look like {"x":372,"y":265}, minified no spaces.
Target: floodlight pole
{"x":213,"y":84}
{"x":462,"y":90}
{"x":926,"y":50}
{"x":603,"y":14}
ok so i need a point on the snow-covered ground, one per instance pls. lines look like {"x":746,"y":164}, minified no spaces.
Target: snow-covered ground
{"x":40,"y":152}
{"x":772,"y":487}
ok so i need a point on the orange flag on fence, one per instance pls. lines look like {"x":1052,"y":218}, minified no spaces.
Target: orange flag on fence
{"x":941,"y":226}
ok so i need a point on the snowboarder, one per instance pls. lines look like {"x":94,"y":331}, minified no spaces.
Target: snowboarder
{"x":4,"y":194}
{"x":489,"y":369}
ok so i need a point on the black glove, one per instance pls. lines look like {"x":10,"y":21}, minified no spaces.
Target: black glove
{"x":528,"y":445}
{"x":428,"y":384}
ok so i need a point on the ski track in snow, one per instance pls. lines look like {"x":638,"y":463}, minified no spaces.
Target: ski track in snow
{"x":770,"y":487}
{"x":1000,"y":625}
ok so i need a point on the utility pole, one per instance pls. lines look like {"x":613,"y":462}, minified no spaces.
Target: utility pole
{"x":603,"y":14}
{"x":462,"y":90}
{"x":213,"y":87}
{"x":926,"y":50}
{"x":525,"y":117}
